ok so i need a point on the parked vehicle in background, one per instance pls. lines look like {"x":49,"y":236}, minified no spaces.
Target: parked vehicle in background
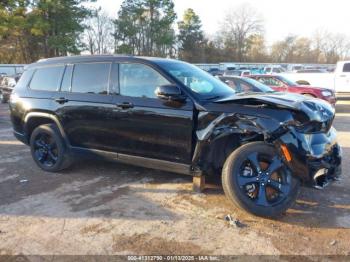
{"x":215,"y":72}
{"x":273,"y":70}
{"x":339,"y":81}
{"x":294,"y":67}
{"x":283,"y":84}
{"x":228,"y":66}
{"x":236,"y":73}
{"x":10,"y":69}
{"x":7,"y":84}
{"x":245,"y":85}
{"x":170,"y":115}
{"x":311,"y":71}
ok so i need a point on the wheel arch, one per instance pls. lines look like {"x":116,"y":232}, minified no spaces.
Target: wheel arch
{"x":211,"y":155}
{"x":34,"y":119}
{"x":226,"y":132}
{"x":303,"y":82}
{"x":224,"y":145}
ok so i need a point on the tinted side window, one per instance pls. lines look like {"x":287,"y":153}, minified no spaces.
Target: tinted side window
{"x":270,"y":81}
{"x":91,"y":78}
{"x":231,"y":83}
{"x":346,"y":68}
{"x":244,"y":87}
{"x":139,"y":80}
{"x":47,"y":78}
{"x":263,"y":80}
{"x":25,"y":78}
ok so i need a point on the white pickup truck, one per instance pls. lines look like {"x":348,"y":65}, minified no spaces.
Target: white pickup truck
{"x":339,"y":81}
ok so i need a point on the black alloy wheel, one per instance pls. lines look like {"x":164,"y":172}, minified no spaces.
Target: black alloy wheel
{"x":45,"y":150}
{"x":49,"y":149}
{"x":264,"y":181}
{"x":256,"y":179}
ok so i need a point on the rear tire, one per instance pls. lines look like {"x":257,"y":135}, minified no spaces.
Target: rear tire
{"x":268,"y":193}
{"x":48,"y":148}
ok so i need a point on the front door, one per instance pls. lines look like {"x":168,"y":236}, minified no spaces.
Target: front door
{"x":145,"y":125}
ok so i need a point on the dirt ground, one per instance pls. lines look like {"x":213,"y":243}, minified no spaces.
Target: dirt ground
{"x":99,"y":207}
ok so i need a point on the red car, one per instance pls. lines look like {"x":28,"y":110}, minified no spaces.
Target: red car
{"x":281,"y":84}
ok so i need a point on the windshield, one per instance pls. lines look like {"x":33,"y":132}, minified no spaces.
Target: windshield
{"x":287,"y":81}
{"x":199,"y":81}
{"x":257,"y":84}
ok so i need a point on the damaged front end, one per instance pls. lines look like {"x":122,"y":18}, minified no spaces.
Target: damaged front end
{"x":299,"y":128}
{"x":312,"y":141}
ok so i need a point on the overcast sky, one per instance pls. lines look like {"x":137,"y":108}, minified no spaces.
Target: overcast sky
{"x":282,"y":17}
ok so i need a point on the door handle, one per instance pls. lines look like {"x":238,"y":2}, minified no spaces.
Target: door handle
{"x":125,"y":105}
{"x":342,"y":76}
{"x":61,"y":100}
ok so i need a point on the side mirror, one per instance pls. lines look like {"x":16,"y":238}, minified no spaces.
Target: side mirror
{"x":170,"y":93}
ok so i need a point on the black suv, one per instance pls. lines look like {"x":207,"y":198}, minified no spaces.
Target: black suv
{"x":170,"y":115}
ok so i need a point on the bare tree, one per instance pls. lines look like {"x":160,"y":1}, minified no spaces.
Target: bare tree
{"x":330,"y":47}
{"x":293,"y":49}
{"x":238,"y":26}
{"x":98,"y":35}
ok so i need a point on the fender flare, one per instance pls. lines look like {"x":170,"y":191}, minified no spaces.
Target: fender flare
{"x":52,"y":117}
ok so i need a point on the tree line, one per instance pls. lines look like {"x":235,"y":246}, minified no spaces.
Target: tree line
{"x":34,"y":29}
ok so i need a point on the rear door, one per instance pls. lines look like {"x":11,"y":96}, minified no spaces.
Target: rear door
{"x":84,"y":105}
{"x":342,"y":78}
{"x":145,"y":125}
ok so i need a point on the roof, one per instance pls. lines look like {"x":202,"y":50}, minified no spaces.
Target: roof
{"x":95,"y":58}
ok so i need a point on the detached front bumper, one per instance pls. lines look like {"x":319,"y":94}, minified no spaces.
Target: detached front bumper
{"x":326,"y":169}
{"x":316,"y":158}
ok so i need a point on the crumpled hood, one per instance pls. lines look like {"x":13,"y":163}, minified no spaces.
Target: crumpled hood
{"x":315,"y":109}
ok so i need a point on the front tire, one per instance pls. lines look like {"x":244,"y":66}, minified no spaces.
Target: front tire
{"x":48,"y":148}
{"x":255,"y":179}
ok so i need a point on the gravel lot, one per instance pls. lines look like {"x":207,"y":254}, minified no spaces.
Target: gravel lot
{"x":108,"y":208}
